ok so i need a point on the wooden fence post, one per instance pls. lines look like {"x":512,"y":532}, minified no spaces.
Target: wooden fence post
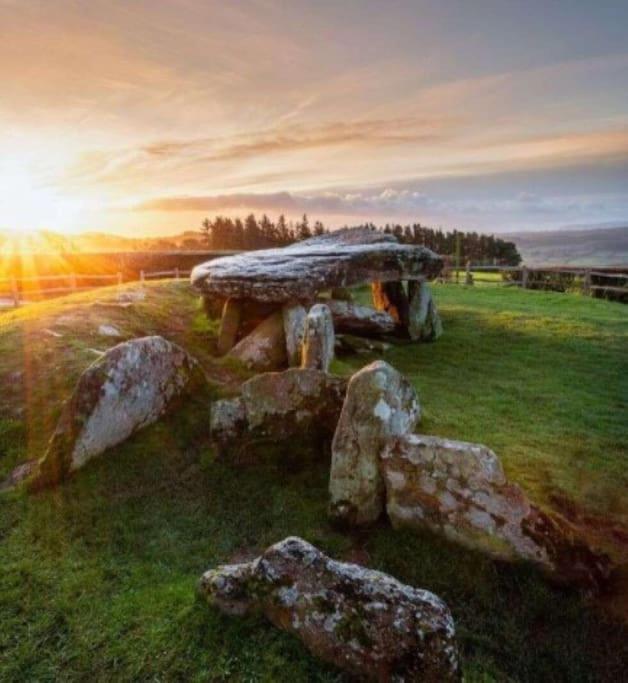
{"x":141,"y":278}
{"x":468,"y":278}
{"x":15,"y":292}
{"x":176,"y":273}
{"x":586,"y":282}
{"x":524,"y":277}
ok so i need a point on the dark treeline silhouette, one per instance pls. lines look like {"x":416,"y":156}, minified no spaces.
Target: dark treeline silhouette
{"x":251,"y":233}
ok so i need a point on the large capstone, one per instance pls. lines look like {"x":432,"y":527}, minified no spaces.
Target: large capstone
{"x":459,"y":490}
{"x":363,"y":621}
{"x":273,"y":408}
{"x":318,"y":342}
{"x":299,"y":272}
{"x":380,"y":404}
{"x":130,"y":387}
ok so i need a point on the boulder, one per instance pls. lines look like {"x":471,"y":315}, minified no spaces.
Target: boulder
{"x":459,"y":490}
{"x":363,"y":621}
{"x":424,"y":323}
{"x":356,"y":319}
{"x":128,"y":388}
{"x":380,"y":404}
{"x":294,"y":329}
{"x":350,"y":343}
{"x":265,"y":348}
{"x":274,"y":407}
{"x":229,"y":326}
{"x":300,"y":271}
{"x":318,"y":342}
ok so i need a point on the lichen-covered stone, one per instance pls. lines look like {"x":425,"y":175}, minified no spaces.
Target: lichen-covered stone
{"x":128,"y":388}
{"x":380,"y":404}
{"x":353,"y":318}
{"x":299,"y":272}
{"x":363,"y":621}
{"x":275,"y":406}
{"x":318,"y":342}
{"x":424,"y":323}
{"x":459,"y":490}
{"x":294,"y":329}
{"x":265,"y":348}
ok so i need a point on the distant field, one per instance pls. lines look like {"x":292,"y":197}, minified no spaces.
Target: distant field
{"x":98,"y":577}
{"x":602,"y":246}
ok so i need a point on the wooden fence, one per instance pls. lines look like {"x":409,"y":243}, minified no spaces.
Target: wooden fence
{"x":610,"y":282}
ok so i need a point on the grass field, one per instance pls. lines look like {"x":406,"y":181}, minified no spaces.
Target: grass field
{"x":98,"y":577}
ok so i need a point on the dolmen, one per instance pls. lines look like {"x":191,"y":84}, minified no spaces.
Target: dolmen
{"x":267,"y":294}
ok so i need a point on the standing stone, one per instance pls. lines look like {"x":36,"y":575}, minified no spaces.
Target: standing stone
{"x":391,"y":297}
{"x":459,"y":490}
{"x":424,"y":322}
{"x":318,"y":342}
{"x":265,"y":348}
{"x":363,"y":621}
{"x":294,"y":328}
{"x":380,"y":404}
{"x":229,"y":325}
{"x":130,"y":387}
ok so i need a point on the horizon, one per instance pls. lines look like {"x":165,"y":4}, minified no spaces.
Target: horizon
{"x":497,"y":118}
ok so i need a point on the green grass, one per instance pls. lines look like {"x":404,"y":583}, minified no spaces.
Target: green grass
{"x":98,"y":577}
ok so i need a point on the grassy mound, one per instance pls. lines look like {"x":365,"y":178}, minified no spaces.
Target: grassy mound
{"x":98,"y":576}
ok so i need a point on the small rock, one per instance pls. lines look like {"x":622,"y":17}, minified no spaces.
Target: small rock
{"x":318,"y":342}
{"x":380,"y":404}
{"x":459,"y":490}
{"x":130,"y":387}
{"x":109,"y":331}
{"x":363,"y":621}
{"x":53,"y":333}
{"x":294,"y":316}
{"x":274,"y":407}
{"x":265,"y":348}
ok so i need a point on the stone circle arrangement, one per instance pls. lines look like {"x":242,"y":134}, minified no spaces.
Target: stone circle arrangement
{"x":276,"y":320}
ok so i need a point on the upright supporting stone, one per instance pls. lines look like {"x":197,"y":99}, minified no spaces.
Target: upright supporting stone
{"x":229,"y":325}
{"x":318,"y":343}
{"x":380,"y":404}
{"x":265,"y":348}
{"x":424,"y":323}
{"x":294,"y":328}
{"x":391,"y":297}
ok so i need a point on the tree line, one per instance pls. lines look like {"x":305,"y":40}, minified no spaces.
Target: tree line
{"x":237,"y":234}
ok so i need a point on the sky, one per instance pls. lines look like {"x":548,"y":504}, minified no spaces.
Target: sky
{"x":142,"y":117}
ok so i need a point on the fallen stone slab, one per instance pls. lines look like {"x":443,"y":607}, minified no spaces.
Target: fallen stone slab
{"x":459,"y":490}
{"x":380,"y":404}
{"x":350,"y":343}
{"x":274,"y":407}
{"x":299,"y":272}
{"x":317,"y":351}
{"x":360,"y":320}
{"x":363,"y":621}
{"x":265,"y":348}
{"x":129,"y":387}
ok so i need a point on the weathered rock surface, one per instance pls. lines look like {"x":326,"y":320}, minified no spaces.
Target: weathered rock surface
{"x":299,"y":272}
{"x":391,"y":298}
{"x":294,"y":329}
{"x":424,"y":322}
{"x":353,"y":344}
{"x":363,"y":621}
{"x":265,"y":348}
{"x":276,"y":406}
{"x":128,"y":388}
{"x":459,"y":489}
{"x":353,"y":318}
{"x":380,"y":404}
{"x":229,"y":326}
{"x":318,"y":342}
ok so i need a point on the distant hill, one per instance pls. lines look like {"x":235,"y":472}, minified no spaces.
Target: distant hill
{"x":600,"y":246}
